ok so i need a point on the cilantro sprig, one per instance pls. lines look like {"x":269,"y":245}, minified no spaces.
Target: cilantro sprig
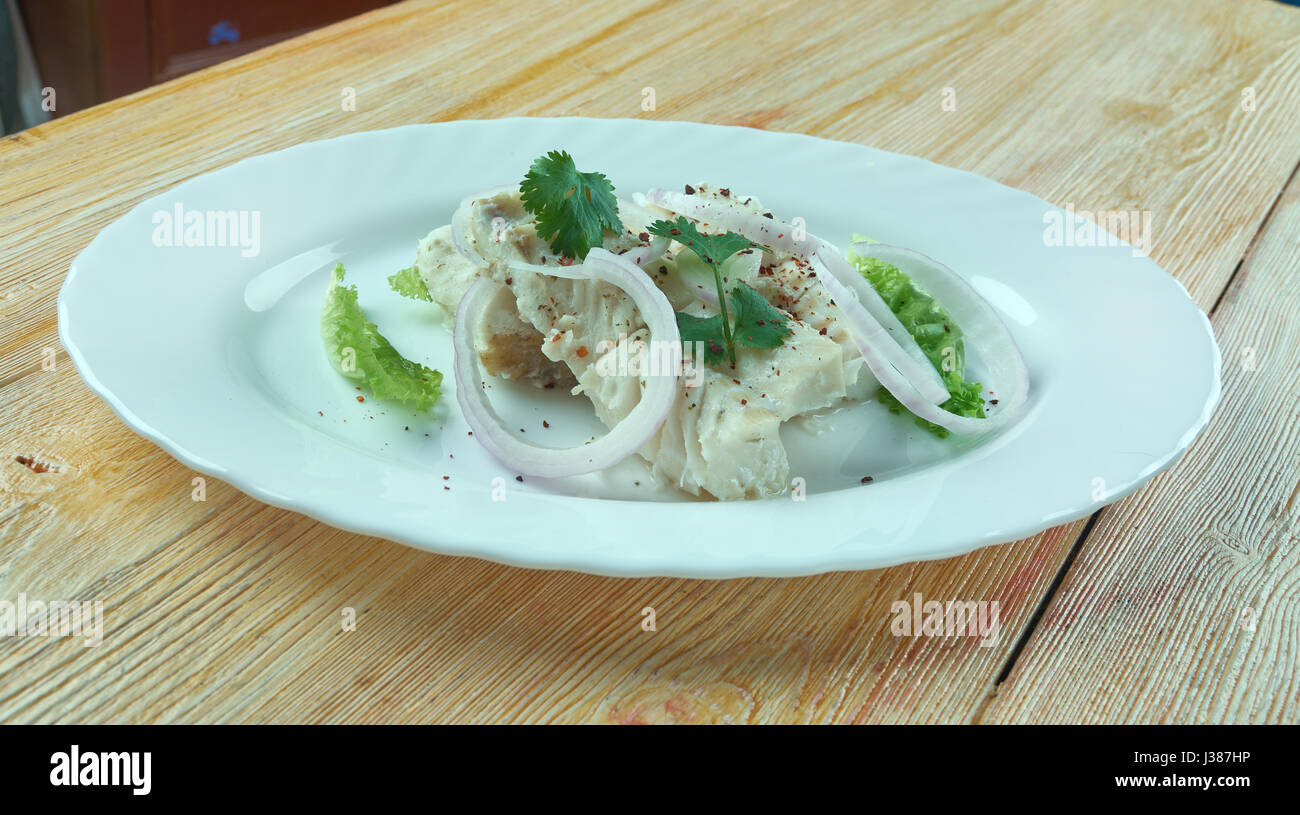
{"x":572,"y":209}
{"x":757,"y":325}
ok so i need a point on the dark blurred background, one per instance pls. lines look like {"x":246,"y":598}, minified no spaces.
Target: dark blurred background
{"x":59,"y":56}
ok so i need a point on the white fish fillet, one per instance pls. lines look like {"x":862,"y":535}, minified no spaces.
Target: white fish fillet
{"x":722,"y":438}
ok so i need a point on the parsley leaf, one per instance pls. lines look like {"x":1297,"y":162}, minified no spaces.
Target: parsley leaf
{"x":408,"y":283}
{"x":572,"y":209}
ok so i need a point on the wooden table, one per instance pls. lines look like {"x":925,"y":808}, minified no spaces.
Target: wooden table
{"x":1177,"y":604}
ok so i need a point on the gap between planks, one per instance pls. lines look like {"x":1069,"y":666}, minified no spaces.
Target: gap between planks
{"x":1077,"y":547}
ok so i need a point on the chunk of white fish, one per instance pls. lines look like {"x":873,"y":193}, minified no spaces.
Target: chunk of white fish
{"x":722,"y":438}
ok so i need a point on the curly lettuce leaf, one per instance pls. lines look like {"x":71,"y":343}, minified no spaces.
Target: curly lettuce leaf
{"x":360,"y":353}
{"x":935,"y":333}
{"x":408,"y":283}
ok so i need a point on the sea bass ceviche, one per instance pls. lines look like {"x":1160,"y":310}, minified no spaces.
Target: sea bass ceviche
{"x":695,"y":322}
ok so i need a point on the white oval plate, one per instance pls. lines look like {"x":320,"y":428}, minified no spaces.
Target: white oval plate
{"x":213,"y":352}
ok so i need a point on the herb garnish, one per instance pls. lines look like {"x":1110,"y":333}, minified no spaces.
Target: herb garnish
{"x":408,"y":283}
{"x":758,"y":324}
{"x":572,"y":209}
{"x":360,"y":353}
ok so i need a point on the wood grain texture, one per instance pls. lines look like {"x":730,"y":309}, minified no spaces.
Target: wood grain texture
{"x":229,"y":610}
{"x":1182,"y":607}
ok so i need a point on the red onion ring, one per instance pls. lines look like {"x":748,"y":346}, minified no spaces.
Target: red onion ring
{"x":982,"y":328}
{"x":870,"y":299}
{"x":630,"y":434}
{"x":462,"y":237}
{"x":871,"y":322}
{"x":643,"y":255}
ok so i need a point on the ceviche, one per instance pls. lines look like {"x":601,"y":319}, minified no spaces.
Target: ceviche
{"x":695,"y":322}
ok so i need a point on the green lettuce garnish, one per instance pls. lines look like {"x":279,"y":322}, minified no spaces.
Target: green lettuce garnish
{"x":408,"y":283}
{"x":360,"y":353}
{"x":940,"y":340}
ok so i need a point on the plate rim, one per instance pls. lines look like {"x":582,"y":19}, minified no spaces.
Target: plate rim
{"x":507,"y":552}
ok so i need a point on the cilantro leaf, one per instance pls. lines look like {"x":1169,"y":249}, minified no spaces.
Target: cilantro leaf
{"x":572,"y":209}
{"x":759,"y":324}
{"x":408,"y":283}
{"x":712,"y":249}
{"x":706,"y":330}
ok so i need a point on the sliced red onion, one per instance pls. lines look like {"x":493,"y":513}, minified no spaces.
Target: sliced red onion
{"x":638,"y":256}
{"x":870,"y":299}
{"x":982,"y":328}
{"x":636,"y":218}
{"x":627,"y":436}
{"x":462,"y":233}
{"x":643,"y":255}
{"x":707,"y":291}
{"x":870,"y":320}
{"x":768,"y":231}
{"x":707,"y":296}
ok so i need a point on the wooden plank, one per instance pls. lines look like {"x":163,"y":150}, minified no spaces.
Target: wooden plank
{"x":228,"y":610}
{"x":1181,"y":606}
{"x":1172,"y":112}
